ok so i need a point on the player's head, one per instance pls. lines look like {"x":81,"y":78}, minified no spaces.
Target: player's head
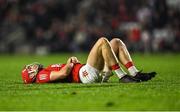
{"x":30,"y":71}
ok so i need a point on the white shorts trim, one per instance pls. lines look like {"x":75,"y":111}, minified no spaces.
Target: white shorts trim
{"x":88,"y":74}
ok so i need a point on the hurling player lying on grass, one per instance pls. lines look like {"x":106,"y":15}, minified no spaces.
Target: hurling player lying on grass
{"x":104,"y":56}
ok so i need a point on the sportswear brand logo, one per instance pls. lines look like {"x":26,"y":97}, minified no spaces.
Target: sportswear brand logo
{"x":84,"y":73}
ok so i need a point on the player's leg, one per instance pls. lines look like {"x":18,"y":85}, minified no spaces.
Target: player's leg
{"x":95,"y":60}
{"x":101,"y":53}
{"x":124,"y":57}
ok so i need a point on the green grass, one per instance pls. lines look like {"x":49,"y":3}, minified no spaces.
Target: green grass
{"x":161,"y":93}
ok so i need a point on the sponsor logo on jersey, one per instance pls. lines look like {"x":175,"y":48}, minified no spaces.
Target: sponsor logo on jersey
{"x":43,"y":76}
{"x":56,"y":65}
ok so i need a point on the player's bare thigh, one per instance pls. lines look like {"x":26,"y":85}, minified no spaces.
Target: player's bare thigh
{"x":95,"y":58}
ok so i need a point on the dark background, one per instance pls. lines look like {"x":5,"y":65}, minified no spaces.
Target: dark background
{"x":54,"y":26}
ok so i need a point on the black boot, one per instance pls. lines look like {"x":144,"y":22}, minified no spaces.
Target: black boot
{"x":128,"y":79}
{"x":145,"y":76}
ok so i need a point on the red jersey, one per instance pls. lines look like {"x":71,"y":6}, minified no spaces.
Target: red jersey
{"x":44,"y":75}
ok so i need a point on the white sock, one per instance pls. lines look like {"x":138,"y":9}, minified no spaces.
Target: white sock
{"x":119,"y":72}
{"x":133,"y":70}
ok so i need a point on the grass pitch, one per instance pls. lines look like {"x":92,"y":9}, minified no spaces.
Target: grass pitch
{"x":161,"y":93}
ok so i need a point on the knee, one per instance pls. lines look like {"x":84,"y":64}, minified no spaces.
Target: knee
{"x":117,"y":42}
{"x":103,"y":40}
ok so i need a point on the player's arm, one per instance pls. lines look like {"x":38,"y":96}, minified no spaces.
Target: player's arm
{"x":65,"y":71}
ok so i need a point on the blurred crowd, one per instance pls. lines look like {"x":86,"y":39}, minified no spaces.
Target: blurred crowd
{"x":52,"y":26}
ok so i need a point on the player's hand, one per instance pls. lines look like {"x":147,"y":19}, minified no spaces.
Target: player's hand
{"x":73,"y":59}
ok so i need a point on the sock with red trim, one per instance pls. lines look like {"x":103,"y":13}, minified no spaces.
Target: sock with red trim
{"x":118,"y":71}
{"x":131,"y":68}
